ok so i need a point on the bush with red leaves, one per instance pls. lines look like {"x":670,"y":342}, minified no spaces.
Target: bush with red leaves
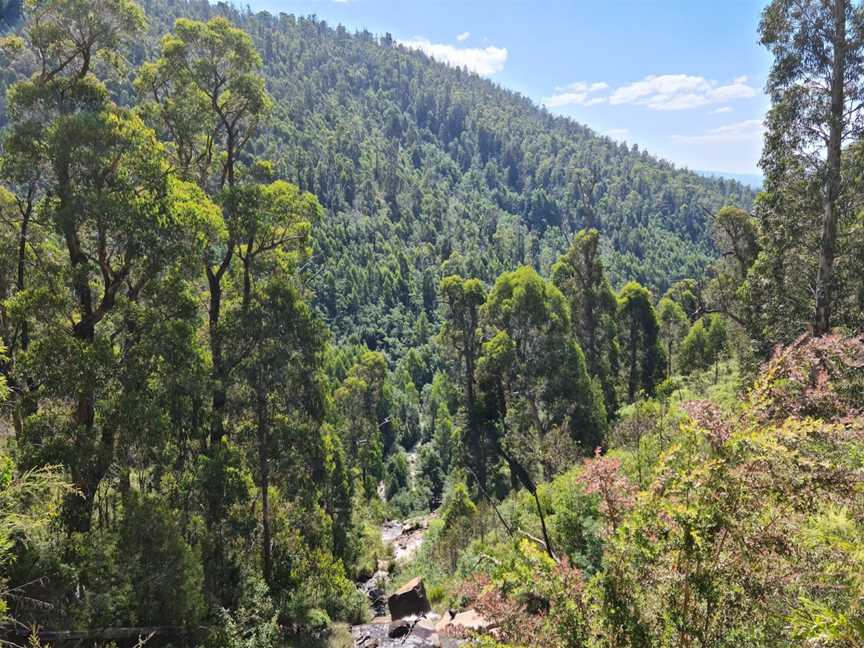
{"x":817,"y":377}
{"x":711,"y":418}
{"x":603,"y":476}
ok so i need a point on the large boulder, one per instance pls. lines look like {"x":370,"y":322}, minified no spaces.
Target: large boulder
{"x":409,"y":600}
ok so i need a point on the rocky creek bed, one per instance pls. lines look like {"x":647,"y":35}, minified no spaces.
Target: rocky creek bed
{"x":405,"y":618}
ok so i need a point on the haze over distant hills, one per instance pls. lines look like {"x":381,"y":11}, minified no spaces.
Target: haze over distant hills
{"x":752,"y":180}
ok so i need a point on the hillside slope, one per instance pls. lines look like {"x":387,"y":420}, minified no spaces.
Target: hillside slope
{"x":427,"y":170}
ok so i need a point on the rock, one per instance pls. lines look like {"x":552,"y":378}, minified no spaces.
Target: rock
{"x":364,"y":574}
{"x":398,"y":629}
{"x":410,"y":599}
{"x":466,"y":620}
{"x":366,"y":642}
{"x":425,"y":629}
{"x":379,"y":606}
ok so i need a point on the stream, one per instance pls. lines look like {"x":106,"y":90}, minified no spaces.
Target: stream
{"x":406,"y":537}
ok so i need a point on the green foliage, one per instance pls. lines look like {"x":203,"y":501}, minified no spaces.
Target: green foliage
{"x":191,"y":446}
{"x":29,"y":503}
{"x":673,"y":327}
{"x":253,"y":625}
{"x":458,"y":507}
{"x":396,"y":473}
{"x":538,"y":368}
{"x":704,"y":344}
{"x":575,"y":520}
{"x":163,"y":352}
{"x":360,"y":400}
{"x":727,"y":541}
{"x":643,"y":357}
{"x":442,"y":166}
{"x":579,"y":274}
{"x":808,"y":223}
{"x":164,"y":572}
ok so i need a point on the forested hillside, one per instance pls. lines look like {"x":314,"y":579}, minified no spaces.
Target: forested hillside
{"x":269,"y":289}
{"x":426,"y":170}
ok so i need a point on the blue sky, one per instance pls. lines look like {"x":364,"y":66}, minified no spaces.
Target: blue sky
{"x":682,"y":79}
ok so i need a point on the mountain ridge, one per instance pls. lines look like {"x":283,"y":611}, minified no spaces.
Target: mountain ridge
{"x":427,"y":170}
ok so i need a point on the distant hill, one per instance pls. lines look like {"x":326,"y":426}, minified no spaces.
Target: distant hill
{"x":427,"y":170}
{"x":753,"y":180}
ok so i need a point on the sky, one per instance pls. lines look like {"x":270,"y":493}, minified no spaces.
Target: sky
{"x":683,"y":79}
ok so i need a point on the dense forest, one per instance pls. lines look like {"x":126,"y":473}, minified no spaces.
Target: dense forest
{"x":267,"y":286}
{"x":426,"y":170}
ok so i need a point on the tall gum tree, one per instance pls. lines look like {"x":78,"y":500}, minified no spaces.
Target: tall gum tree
{"x":532,"y":365}
{"x":817,"y":94}
{"x":461,"y":300}
{"x":644,"y":361}
{"x":580,"y":276}
{"x":120,"y":218}
{"x":206,"y":96}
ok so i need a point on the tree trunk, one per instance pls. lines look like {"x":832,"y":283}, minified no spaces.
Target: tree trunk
{"x":22,"y":249}
{"x":247,"y":278}
{"x":264,"y":467}
{"x":669,"y":359}
{"x":632,"y":381}
{"x":824,"y":279}
{"x":473,"y":428}
{"x":546,"y":539}
{"x":87,"y":471}
{"x":218,"y":371}
{"x":518,"y":471}
{"x":25,"y":400}
{"x":476,"y":439}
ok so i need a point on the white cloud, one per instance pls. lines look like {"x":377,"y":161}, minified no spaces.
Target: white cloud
{"x":657,"y":92}
{"x":680,"y":92}
{"x":484,"y":61}
{"x":463,"y":36}
{"x":576,"y":94}
{"x":739,"y":131}
{"x":721,"y":110}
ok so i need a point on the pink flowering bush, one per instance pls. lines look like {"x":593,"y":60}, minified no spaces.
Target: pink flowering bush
{"x":603,"y":475}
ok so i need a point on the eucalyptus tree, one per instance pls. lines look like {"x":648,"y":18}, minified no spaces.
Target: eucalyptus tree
{"x":206,"y":96}
{"x":360,"y":399}
{"x":532,"y":367}
{"x":579,"y":275}
{"x":704,"y":344}
{"x":817,"y":98}
{"x":737,"y":238}
{"x":460,"y":300}
{"x":673,"y":327}
{"x":639,"y":331}
{"x":286,"y":395}
{"x":121,"y":221}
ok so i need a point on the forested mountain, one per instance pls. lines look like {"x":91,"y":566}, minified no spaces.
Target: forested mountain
{"x":268,"y":288}
{"x":427,"y":170}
